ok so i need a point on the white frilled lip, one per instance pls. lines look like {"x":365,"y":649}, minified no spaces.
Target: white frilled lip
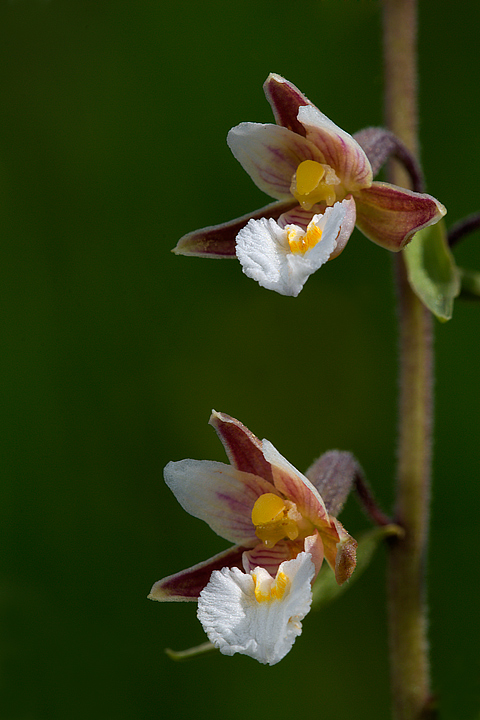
{"x":236,"y":622}
{"x":265,"y":255}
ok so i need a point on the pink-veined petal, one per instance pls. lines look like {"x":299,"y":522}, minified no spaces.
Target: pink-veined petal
{"x":295,"y":486}
{"x":186,"y":585}
{"x":338,"y":149}
{"x":285,"y":100}
{"x":390,"y":216}
{"x":270,"y":154}
{"x":347,"y":226}
{"x":218,"y":241}
{"x":313,"y":545}
{"x":243,"y":449}
{"x":269,"y":558}
{"x":298,"y":216}
{"x":219,"y":494}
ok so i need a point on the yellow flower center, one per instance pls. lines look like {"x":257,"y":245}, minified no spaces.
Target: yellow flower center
{"x":300,"y":242}
{"x":268,"y":589}
{"x":313,"y":183}
{"x":275,"y":519}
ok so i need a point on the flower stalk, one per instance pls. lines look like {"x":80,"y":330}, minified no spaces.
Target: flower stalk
{"x":462,"y":228}
{"x":410,"y":671}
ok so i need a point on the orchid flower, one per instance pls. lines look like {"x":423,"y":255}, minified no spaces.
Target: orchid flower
{"x":323,"y":184}
{"x":253,"y":596}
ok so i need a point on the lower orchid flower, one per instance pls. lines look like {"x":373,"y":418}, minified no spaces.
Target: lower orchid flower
{"x":311,"y":167}
{"x":253,"y":596}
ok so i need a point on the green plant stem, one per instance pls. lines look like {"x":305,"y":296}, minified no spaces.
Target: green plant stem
{"x":410,"y":672}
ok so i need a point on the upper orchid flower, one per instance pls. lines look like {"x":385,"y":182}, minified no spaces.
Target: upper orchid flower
{"x":253,"y":596}
{"x":323,"y":183}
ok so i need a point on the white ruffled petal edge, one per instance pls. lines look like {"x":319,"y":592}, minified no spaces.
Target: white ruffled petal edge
{"x":234,"y":620}
{"x":264,"y":253}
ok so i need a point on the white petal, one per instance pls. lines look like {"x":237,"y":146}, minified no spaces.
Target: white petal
{"x":236,"y":622}
{"x":294,"y":485}
{"x":340,"y":150}
{"x":270,"y":154}
{"x":219,"y":494}
{"x":264,"y":253}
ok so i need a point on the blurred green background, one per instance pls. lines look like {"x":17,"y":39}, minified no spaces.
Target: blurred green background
{"x":113,"y":123}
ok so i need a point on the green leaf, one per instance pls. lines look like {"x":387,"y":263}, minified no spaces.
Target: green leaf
{"x":326,"y":589}
{"x":432,"y":272}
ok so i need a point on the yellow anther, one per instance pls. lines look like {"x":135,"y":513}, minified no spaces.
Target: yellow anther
{"x":267,"y":509}
{"x":274,"y":519}
{"x":309,"y":174}
{"x":314,"y":183}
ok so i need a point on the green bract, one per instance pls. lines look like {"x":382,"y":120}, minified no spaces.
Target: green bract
{"x":432,"y":272}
